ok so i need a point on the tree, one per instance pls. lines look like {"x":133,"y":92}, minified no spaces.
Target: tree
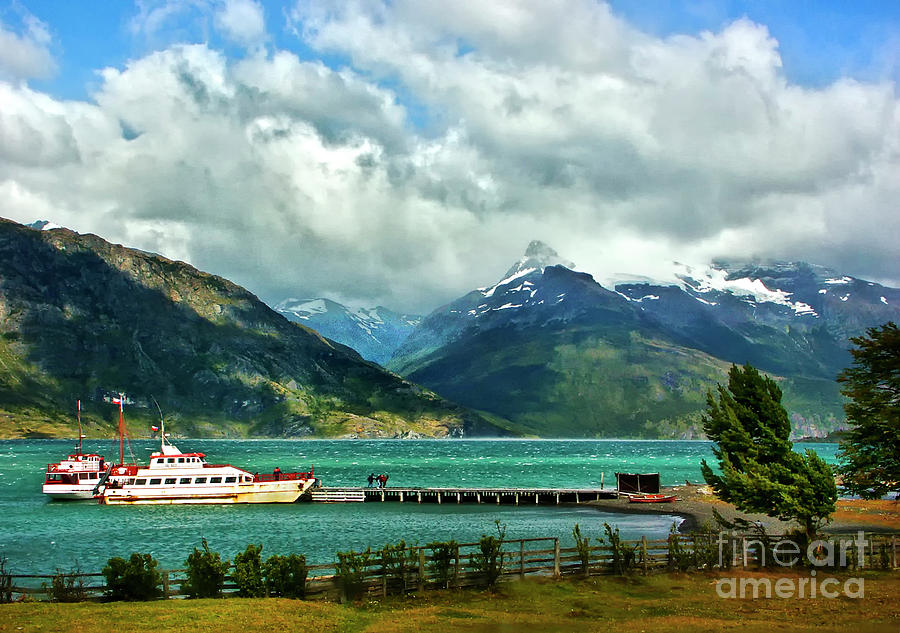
{"x":760,"y":472}
{"x":870,"y":453}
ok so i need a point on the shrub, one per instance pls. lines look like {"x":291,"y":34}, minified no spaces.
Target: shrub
{"x":397,"y":561}
{"x":247,"y":574}
{"x":5,"y":582}
{"x":286,"y":576}
{"x":134,"y":579}
{"x":444,"y":555}
{"x":679,"y":557}
{"x":66,"y":587}
{"x":205,"y":573}
{"x":488,"y":560}
{"x":623,"y":558}
{"x":583,"y":545}
{"x":351,"y":572}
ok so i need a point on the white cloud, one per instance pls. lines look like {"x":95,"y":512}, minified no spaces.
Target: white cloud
{"x":452,"y":138}
{"x":242,"y":21}
{"x":26,"y":55}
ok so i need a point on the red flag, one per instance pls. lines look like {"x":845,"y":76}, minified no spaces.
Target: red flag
{"x":154,"y":428}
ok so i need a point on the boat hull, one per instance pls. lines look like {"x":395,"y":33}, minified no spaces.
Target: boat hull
{"x":652,"y":499}
{"x":257,"y":492}
{"x":63,"y":492}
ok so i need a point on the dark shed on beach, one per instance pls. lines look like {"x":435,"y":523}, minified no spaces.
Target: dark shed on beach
{"x":635,"y":482}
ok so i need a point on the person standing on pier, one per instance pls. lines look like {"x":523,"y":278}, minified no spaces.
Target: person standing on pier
{"x":371,"y":479}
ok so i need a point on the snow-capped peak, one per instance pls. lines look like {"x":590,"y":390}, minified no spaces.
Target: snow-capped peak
{"x":302,"y":308}
{"x":537,"y":256}
{"x":713,"y":278}
{"x":43,"y":225}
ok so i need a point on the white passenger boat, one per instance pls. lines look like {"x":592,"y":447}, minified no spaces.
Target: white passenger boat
{"x":175,"y":477}
{"x":77,"y":475}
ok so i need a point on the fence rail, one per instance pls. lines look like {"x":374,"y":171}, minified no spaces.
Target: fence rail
{"x":544,"y":557}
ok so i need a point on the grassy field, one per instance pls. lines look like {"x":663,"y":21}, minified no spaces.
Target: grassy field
{"x":682,"y":603}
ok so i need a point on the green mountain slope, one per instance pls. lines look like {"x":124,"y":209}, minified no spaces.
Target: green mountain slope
{"x":82,"y":318}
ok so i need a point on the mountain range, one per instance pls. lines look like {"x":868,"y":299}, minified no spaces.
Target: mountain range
{"x":375,"y":333}
{"x":545,"y":351}
{"x":558,"y":354}
{"x":81,"y":318}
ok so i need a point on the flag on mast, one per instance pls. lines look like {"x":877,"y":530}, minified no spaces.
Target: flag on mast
{"x":153,"y":427}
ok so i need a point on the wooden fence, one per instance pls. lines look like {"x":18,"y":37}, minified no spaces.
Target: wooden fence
{"x":545,"y":557}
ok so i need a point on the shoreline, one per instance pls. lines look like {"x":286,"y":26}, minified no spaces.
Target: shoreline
{"x":695,"y":504}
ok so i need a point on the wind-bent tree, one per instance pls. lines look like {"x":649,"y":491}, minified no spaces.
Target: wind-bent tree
{"x":871,"y":450}
{"x":760,"y":472}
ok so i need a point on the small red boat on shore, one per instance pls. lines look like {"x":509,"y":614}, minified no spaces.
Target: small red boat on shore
{"x":651,"y":499}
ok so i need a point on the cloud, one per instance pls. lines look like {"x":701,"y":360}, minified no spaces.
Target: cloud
{"x":421,"y":165}
{"x":26,"y":55}
{"x":242,"y":21}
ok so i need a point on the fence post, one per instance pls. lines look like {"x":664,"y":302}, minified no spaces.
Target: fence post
{"x":644,"y":552}
{"x":165,"y":583}
{"x":893,"y":551}
{"x":556,"y":557}
{"x":421,"y":569}
{"x":522,"y":558}
{"x":744,"y":552}
{"x":872,"y":551}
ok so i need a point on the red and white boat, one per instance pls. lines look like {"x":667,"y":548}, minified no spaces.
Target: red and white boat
{"x":175,"y":477}
{"x":77,"y":475}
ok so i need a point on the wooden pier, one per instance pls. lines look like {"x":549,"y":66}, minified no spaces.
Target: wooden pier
{"x":507,"y":496}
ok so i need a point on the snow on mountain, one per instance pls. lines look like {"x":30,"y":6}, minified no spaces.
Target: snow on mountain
{"x":43,"y":225}
{"x":711,"y":279}
{"x":373,"y":332}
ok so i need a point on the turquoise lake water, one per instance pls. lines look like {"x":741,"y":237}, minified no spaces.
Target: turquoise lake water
{"x":39,"y":536}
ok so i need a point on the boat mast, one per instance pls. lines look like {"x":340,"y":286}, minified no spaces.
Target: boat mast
{"x":121,"y":429}
{"x":80,"y":436}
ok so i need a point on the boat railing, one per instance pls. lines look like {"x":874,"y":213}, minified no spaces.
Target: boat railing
{"x":282,"y":476}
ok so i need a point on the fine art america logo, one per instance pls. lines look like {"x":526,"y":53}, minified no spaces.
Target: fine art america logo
{"x":787,"y":553}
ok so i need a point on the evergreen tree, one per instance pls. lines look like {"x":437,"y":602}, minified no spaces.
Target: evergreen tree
{"x":760,"y":472}
{"x":871,"y":450}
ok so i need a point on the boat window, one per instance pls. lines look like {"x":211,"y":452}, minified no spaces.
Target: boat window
{"x":130,"y":482}
{"x":171,"y":460}
{"x":184,"y":480}
{"x":155,"y":482}
{"x":200,"y":480}
{"x":181,"y":460}
{"x":171,"y":481}
{"x":94,"y":475}
{"x":230,"y":480}
{"x":160,"y":460}
{"x":140,"y":482}
{"x":82,"y":476}
{"x":215,"y":480}
{"x":248,"y":478}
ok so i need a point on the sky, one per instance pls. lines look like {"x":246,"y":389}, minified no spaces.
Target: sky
{"x":404,"y":152}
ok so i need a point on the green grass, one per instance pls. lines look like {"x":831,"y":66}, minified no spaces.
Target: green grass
{"x":654,"y":603}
